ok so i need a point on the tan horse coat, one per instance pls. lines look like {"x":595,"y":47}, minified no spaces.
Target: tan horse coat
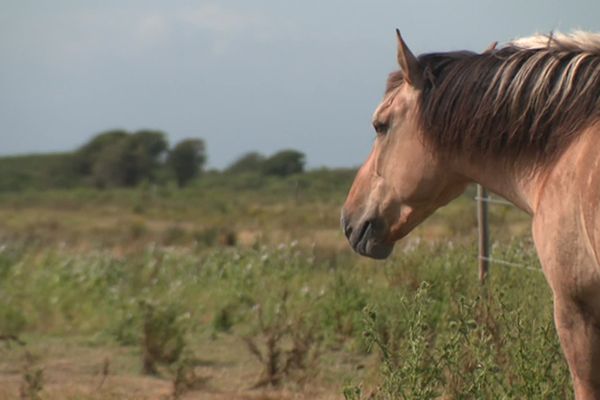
{"x":406,"y":178}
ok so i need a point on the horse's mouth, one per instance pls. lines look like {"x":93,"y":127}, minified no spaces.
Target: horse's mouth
{"x":366,"y":244}
{"x":377,"y":251}
{"x":368,"y":238}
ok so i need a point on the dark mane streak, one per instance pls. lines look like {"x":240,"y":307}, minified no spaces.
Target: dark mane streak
{"x":516,"y":104}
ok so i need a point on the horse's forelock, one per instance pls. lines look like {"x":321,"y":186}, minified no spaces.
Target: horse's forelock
{"x":395,"y":79}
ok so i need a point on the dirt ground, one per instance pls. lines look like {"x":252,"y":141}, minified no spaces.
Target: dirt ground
{"x":73,"y":369}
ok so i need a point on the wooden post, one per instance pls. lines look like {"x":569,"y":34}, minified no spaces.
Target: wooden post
{"x":484,"y":232}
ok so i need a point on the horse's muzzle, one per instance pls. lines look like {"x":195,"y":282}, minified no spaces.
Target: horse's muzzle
{"x":365,"y":237}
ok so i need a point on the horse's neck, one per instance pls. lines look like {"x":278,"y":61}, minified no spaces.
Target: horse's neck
{"x":579,"y":163}
{"x":519,"y":187}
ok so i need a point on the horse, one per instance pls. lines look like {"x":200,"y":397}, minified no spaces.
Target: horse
{"x":521,"y":119}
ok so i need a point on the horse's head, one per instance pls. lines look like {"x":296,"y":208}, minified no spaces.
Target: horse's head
{"x":403,"y":180}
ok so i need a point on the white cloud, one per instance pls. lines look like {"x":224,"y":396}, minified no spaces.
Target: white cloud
{"x":220,"y":20}
{"x":152,"y":28}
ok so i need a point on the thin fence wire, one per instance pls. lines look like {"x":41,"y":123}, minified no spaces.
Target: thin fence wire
{"x":484,"y":257}
{"x":494,"y":201}
{"x":509,"y":264}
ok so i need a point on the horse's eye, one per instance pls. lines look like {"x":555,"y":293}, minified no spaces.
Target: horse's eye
{"x":380,"y":127}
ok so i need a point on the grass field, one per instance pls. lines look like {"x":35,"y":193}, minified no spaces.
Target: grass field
{"x":244,"y":288}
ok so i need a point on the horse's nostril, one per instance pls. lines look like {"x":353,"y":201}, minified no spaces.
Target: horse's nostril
{"x":348,"y":230}
{"x":357,"y":234}
{"x":364,"y":230}
{"x":346,"y":227}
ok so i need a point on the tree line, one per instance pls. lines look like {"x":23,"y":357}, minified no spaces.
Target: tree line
{"x":118,"y":158}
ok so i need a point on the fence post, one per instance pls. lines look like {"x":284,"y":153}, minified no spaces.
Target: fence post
{"x":484,"y":232}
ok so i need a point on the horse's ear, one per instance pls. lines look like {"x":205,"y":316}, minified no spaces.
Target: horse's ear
{"x":410,"y":66}
{"x":491,"y":47}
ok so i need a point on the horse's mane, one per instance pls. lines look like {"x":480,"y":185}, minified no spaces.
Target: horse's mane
{"x":522,"y":102}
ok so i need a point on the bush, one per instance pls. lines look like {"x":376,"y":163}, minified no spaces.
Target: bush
{"x":186,"y":160}
{"x":163,"y":335}
{"x":285,"y":343}
{"x":454,"y":339}
{"x":284,"y":163}
{"x":119,"y":158}
{"x":249,"y":162}
{"x":12,"y":323}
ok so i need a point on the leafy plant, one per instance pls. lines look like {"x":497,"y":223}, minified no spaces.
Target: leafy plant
{"x":163,"y":336}
{"x":32,"y":379}
{"x":289,"y":348}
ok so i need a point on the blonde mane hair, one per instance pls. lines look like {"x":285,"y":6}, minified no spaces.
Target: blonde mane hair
{"x":576,"y":41}
{"x":524,"y":101}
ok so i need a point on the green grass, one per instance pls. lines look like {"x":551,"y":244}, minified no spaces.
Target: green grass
{"x":435,"y":330}
{"x":252,"y":276}
{"x":249,"y":208}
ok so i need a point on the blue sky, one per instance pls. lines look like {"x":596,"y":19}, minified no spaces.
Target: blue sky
{"x":257,"y":75}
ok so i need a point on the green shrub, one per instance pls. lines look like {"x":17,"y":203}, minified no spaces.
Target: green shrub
{"x":12,"y":323}
{"x":163,"y":339}
{"x":341,"y":307}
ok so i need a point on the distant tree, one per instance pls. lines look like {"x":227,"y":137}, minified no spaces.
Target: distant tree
{"x":249,"y":162}
{"x":187,"y":159}
{"x":110,"y":166}
{"x":118,"y":158}
{"x":143,"y":155}
{"x":284,"y":163}
{"x":87,"y":155}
